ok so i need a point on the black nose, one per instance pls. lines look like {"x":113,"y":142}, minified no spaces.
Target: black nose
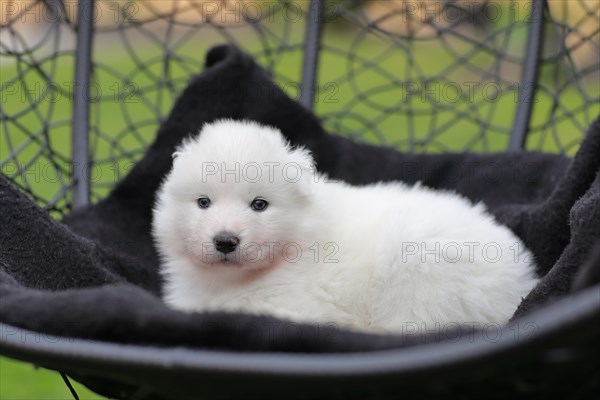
{"x":226,"y":242}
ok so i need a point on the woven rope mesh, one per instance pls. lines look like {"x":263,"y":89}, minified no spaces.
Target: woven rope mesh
{"x":429,"y":76}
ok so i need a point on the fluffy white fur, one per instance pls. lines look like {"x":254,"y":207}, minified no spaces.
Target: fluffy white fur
{"x":385,"y":257}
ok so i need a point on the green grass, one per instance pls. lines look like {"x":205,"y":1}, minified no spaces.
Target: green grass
{"x":23,"y":381}
{"x":126,"y":116}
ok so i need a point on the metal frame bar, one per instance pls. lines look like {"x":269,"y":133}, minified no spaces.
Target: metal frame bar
{"x":81,"y":106}
{"x":529,"y":78}
{"x":312,"y":47}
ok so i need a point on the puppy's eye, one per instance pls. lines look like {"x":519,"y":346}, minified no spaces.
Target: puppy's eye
{"x":204,"y":202}
{"x":259,"y":204}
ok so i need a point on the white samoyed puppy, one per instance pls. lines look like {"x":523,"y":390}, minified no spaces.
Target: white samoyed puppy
{"x":244,"y":223}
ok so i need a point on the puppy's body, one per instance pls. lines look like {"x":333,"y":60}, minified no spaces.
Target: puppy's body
{"x":384,"y":257}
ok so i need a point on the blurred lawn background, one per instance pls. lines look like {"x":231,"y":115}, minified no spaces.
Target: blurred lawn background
{"x":23,"y":381}
{"x":141,"y":63}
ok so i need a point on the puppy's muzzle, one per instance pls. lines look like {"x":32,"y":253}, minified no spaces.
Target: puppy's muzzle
{"x":226,"y":242}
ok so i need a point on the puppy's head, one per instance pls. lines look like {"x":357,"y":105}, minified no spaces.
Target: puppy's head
{"x":235,"y":197}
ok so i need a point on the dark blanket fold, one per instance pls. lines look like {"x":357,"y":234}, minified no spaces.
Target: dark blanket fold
{"x":95,"y":275}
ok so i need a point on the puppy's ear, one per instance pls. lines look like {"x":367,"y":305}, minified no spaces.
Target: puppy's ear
{"x":303,"y":157}
{"x":177,"y":155}
{"x":302,"y":171}
{"x":185,"y":145}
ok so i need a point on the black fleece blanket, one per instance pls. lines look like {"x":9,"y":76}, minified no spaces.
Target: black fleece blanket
{"x":94,"y":275}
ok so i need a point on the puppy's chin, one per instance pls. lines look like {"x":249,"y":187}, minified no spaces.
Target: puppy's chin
{"x":225,"y":262}
{"x":234,"y":262}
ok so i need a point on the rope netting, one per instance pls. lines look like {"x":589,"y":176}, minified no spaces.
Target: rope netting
{"x":434,"y":75}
